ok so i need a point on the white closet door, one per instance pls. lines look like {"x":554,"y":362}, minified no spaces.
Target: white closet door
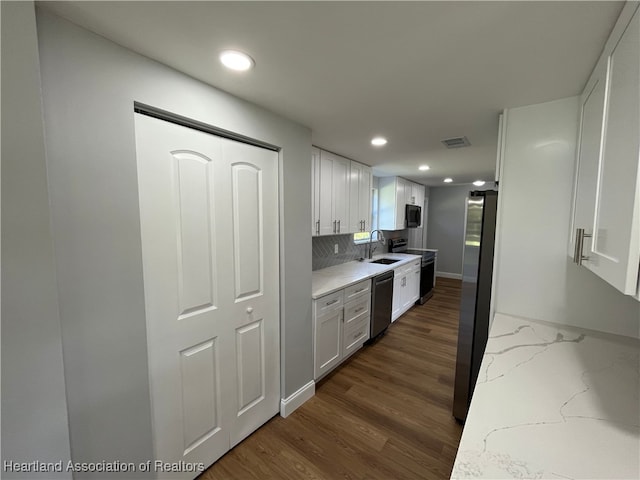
{"x":255,"y":305}
{"x":208,"y":214}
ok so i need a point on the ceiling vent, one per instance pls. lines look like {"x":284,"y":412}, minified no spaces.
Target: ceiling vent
{"x":456,"y":142}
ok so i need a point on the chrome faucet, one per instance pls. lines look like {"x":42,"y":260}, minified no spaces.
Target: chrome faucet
{"x":379,"y":240}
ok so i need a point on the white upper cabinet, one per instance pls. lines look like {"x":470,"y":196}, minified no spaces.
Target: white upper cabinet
{"x":607,"y":192}
{"x":330,"y":193}
{"x":359,"y":198}
{"x":394,"y":195}
{"x":341,"y":194}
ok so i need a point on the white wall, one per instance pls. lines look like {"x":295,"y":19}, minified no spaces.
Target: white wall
{"x":34,"y":409}
{"x":89,"y":87}
{"x":535,"y":277}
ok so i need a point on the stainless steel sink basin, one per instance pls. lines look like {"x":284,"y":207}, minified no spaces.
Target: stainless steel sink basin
{"x":385,"y":261}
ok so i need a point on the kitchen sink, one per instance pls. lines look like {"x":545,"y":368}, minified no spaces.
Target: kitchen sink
{"x":385,"y":261}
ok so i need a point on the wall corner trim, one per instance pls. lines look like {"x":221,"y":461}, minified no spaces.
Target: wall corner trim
{"x":290,"y":404}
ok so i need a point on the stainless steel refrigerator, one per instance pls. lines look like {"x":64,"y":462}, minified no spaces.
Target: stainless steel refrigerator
{"x":475,"y":302}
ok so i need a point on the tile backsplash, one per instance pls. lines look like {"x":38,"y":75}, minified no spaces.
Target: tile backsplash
{"x":323,"y":255}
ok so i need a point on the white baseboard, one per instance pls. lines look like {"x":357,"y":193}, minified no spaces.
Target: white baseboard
{"x":456,"y":276}
{"x":290,"y":404}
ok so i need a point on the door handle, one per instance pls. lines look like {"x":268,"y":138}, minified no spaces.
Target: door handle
{"x":338,"y":226}
{"x":317,"y":227}
{"x":334,"y":226}
{"x":578,"y":256}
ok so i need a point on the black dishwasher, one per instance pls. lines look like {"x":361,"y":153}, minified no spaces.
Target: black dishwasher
{"x":381,"y":303}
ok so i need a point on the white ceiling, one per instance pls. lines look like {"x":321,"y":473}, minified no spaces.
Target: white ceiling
{"x":415,"y":72}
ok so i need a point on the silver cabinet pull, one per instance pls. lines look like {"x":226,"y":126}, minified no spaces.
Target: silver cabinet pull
{"x":317,"y":227}
{"x":338,"y":226}
{"x":334,"y":226}
{"x":578,"y":257}
{"x":332,"y":302}
{"x":358,"y":309}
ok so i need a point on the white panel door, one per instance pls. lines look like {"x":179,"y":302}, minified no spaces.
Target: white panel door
{"x":615,"y":246}
{"x":255,"y":305}
{"x":340,"y":193}
{"x":325,"y":195}
{"x":587,"y":167}
{"x":359,"y":198}
{"x":315,"y":191}
{"x":355,"y":219}
{"x":364,"y":199}
{"x":203,"y":342}
{"x":328,"y":341}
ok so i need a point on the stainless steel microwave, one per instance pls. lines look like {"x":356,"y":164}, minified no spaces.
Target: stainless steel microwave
{"x":412,"y":216}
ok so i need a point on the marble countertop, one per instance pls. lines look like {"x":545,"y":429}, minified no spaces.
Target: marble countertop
{"x":553,"y":402}
{"x":328,"y":280}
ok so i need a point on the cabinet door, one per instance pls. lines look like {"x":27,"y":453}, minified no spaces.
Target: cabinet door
{"x":340,"y":196}
{"x":398,"y":296}
{"x":414,"y":293}
{"x":401,"y":187}
{"x":615,"y":246}
{"x":315,"y":191}
{"x":359,"y":198}
{"x":355,"y":222}
{"x":325,"y":193}
{"x":364,"y":201}
{"x":588,"y":156}
{"x":328,"y":341}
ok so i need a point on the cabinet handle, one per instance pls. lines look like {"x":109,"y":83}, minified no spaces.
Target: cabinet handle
{"x":338,"y":226}
{"x":334,"y":226}
{"x":578,"y":257}
{"x":317,"y":227}
{"x":332,"y":302}
{"x":358,"y":310}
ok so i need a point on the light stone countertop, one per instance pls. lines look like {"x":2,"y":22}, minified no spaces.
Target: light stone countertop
{"x":330,"y":279}
{"x":553,"y":402}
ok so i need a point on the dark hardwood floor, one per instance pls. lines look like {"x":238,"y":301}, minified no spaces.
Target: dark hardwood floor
{"x":384,"y":414}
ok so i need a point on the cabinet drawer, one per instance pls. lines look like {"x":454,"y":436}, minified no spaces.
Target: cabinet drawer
{"x":356,"y":308}
{"x":356,"y":290}
{"x":327,"y":303}
{"x":355,"y":335}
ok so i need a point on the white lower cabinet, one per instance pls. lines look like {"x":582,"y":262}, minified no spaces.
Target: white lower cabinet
{"x":406,"y":288}
{"x":340,"y":325}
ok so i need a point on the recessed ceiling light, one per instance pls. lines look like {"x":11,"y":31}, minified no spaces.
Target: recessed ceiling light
{"x":423,"y":167}
{"x":479,"y":183}
{"x":379,"y":141}
{"x":448,"y":180}
{"x":236,"y":60}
